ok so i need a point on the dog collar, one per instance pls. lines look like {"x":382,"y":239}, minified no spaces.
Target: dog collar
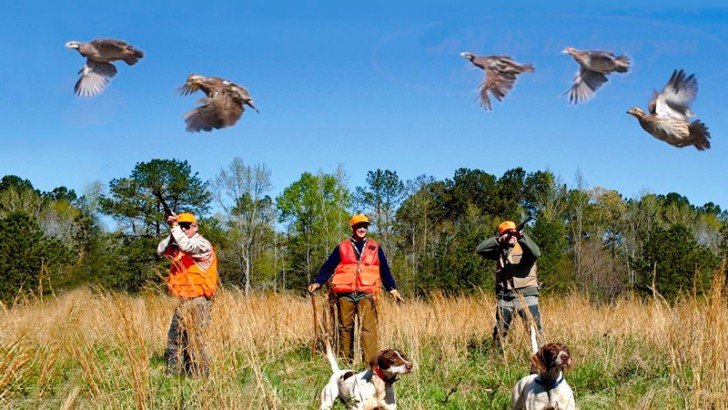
{"x":548,"y":383}
{"x":379,"y":373}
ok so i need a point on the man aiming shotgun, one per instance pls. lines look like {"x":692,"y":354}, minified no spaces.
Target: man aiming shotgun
{"x":516,"y":282}
{"x":193,"y":278}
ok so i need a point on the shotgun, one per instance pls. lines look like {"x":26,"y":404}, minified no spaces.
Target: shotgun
{"x":523,"y":223}
{"x":167,"y":209}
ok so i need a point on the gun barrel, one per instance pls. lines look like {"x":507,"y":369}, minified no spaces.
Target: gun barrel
{"x":523,"y":223}
{"x":167,"y":209}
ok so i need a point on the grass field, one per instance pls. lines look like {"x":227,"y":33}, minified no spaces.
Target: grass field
{"x":88,"y":349}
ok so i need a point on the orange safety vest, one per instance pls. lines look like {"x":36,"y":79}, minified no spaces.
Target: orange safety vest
{"x":356,"y":273}
{"x":188,"y":280}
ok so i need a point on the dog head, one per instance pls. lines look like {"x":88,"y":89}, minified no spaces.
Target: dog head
{"x":552,"y":356}
{"x":391,"y":362}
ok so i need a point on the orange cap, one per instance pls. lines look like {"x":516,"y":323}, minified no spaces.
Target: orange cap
{"x":506,"y":226}
{"x":358,"y":219}
{"x":186,"y":217}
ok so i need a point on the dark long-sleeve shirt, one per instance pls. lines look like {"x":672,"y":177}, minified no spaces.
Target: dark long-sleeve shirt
{"x":328,"y":268}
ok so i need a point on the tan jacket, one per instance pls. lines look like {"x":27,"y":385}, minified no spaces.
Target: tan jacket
{"x":515,"y":266}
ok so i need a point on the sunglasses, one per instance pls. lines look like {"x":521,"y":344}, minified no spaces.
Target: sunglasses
{"x":185,"y":225}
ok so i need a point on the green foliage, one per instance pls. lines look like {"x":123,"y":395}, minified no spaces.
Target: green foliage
{"x":16,"y":182}
{"x":314,"y":209}
{"x":132,"y":204}
{"x":24,"y":253}
{"x":456,"y":267}
{"x":380,"y":198}
{"x":554,"y":268}
{"x":676,"y":263}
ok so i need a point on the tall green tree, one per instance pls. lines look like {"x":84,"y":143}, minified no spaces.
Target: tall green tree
{"x":674,"y":261}
{"x":314,"y":210}
{"x":26,"y":255}
{"x":381,"y":198}
{"x":132,"y":204}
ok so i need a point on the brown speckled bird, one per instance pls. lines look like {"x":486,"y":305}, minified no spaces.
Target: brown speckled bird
{"x":500,"y":75}
{"x":594,"y":66}
{"x":98,"y":70}
{"x":669,"y":112}
{"x":223,"y":106}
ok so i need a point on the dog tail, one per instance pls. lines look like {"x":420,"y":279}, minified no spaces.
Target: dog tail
{"x":332,"y":359}
{"x":534,"y":342}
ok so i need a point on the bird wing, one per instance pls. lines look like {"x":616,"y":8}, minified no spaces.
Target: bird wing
{"x":219,"y":111}
{"x":586,"y":83}
{"x":94,"y":78}
{"x":675,"y":99}
{"x":498,"y":84}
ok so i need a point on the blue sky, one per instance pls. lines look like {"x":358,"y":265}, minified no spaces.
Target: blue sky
{"x":365,"y":86}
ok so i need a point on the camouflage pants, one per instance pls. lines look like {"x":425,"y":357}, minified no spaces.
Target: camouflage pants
{"x":505,"y":310}
{"x":187,"y":350}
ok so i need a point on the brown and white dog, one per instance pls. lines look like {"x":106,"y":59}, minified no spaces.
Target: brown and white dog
{"x":547,"y":389}
{"x":367,"y":390}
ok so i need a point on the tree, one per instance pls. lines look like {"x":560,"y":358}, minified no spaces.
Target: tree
{"x":381,"y":198}
{"x":676,"y":263}
{"x":25,"y":253}
{"x":132,"y":204}
{"x":314,"y":209}
{"x":240,"y":191}
{"x":413,"y":225}
{"x":16,"y":182}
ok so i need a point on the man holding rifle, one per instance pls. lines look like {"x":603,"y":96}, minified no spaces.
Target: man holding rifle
{"x":516,"y":284}
{"x":193,"y":279}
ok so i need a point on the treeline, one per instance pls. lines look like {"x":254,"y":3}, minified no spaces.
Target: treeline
{"x":593,"y":240}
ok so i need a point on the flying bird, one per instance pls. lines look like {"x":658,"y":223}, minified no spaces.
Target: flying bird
{"x":669,"y":112}
{"x":98,"y":70}
{"x":594,"y":66}
{"x":222,"y":107}
{"x":500,"y":75}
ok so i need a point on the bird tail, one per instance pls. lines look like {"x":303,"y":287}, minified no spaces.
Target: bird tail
{"x":700,"y":135}
{"x":528,"y":68}
{"x":623,"y":63}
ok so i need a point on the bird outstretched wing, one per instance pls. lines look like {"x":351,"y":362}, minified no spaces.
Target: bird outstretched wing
{"x":94,"y":78}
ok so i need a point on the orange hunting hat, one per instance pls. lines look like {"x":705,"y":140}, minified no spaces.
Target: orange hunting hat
{"x":505,"y":226}
{"x":186,"y":217}
{"x":358,"y":220}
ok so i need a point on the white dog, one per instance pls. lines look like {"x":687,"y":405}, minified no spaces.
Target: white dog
{"x":548,"y":389}
{"x":367,"y":390}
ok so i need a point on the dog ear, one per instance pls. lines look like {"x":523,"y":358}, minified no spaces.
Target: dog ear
{"x":571,"y":358}
{"x":374,"y":360}
{"x":538,"y":361}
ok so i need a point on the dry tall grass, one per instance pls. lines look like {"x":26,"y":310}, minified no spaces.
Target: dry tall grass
{"x":93,"y":350}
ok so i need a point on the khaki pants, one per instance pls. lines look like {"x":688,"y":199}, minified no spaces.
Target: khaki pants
{"x":367,"y":311}
{"x":187,"y":350}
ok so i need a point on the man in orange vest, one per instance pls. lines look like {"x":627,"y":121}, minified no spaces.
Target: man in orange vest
{"x":193,"y":279}
{"x":515,"y":277}
{"x":359,"y":269}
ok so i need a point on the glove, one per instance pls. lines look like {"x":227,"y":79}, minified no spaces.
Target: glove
{"x":313,"y":288}
{"x":396,"y":296}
